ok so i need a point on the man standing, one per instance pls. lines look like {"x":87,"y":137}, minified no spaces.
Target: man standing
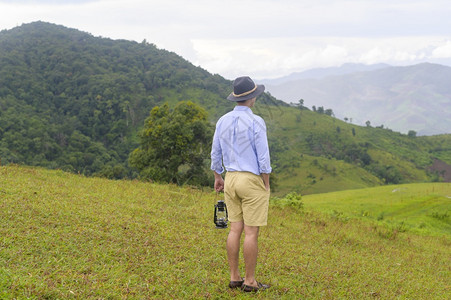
{"x":241,"y":145}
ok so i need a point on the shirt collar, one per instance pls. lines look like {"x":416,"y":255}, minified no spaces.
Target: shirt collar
{"x":242,"y":108}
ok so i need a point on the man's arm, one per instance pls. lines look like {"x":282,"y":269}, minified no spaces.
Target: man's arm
{"x":216,"y":161}
{"x":262,"y":149}
{"x":219,"y":182}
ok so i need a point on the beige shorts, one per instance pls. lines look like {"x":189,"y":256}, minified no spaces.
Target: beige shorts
{"x":246,"y":198}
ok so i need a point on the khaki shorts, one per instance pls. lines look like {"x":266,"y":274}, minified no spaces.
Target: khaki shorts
{"x":246,"y":198}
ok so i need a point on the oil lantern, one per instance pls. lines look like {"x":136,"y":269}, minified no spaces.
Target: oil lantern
{"x":220,"y":217}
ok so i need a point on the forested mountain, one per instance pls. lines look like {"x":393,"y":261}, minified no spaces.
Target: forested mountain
{"x":76,"y":102}
{"x":73,"y":101}
{"x":416,"y":97}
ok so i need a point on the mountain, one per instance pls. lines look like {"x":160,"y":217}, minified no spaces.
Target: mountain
{"x":72,"y":101}
{"x":408,"y":98}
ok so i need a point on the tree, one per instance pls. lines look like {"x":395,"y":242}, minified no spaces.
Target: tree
{"x":174,"y":145}
{"x":412,"y":133}
{"x":300,"y":104}
{"x":329,"y":112}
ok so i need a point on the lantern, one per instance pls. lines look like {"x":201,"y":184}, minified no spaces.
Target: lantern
{"x":220,"y":217}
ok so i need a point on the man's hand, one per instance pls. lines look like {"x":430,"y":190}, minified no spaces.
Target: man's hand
{"x":266,"y":180}
{"x":219,"y":182}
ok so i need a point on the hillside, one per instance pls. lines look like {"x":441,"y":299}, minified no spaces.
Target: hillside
{"x":65,"y":236}
{"x":415,"y":97}
{"x":75,"y":102}
{"x":318,"y":153}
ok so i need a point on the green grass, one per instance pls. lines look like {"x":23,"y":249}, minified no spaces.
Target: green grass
{"x":422,"y":208}
{"x":64,"y":236}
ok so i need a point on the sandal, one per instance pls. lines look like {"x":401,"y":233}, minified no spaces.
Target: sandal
{"x":236,"y":284}
{"x":250,"y":288}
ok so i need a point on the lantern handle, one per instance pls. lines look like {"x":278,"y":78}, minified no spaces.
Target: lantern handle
{"x":216,"y":206}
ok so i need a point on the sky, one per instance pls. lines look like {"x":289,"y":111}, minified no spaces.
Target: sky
{"x":260,"y":38}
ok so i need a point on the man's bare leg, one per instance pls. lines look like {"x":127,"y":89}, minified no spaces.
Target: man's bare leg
{"x":233,"y":249}
{"x":250,"y":250}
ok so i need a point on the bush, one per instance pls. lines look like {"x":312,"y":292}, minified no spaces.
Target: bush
{"x":292,"y":199}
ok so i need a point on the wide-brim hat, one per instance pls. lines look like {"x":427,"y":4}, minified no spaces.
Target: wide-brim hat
{"x":244,"y":89}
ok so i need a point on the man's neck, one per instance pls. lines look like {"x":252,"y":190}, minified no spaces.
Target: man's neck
{"x":248,"y":103}
{"x":243,"y":105}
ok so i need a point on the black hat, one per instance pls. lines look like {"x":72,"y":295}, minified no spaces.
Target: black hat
{"x":244,"y":89}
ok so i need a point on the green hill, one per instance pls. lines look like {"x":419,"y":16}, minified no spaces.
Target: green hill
{"x":318,"y":153}
{"x":72,"y":101}
{"x":65,"y":236}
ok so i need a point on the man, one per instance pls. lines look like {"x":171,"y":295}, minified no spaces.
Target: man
{"x":241,"y":145}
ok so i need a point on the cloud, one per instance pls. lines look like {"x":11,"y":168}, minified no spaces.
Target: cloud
{"x":265,"y":38}
{"x":264,"y":58}
{"x":443,"y":51}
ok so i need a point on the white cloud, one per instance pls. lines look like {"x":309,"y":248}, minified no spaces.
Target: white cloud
{"x":443,"y":51}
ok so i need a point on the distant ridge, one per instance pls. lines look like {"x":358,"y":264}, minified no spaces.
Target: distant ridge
{"x":320,"y":73}
{"x":416,"y":97}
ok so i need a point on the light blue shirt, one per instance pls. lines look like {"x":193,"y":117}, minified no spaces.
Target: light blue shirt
{"x":240,"y":143}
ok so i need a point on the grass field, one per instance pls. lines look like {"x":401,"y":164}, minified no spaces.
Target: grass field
{"x":423,"y":208}
{"x":64,"y":236}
